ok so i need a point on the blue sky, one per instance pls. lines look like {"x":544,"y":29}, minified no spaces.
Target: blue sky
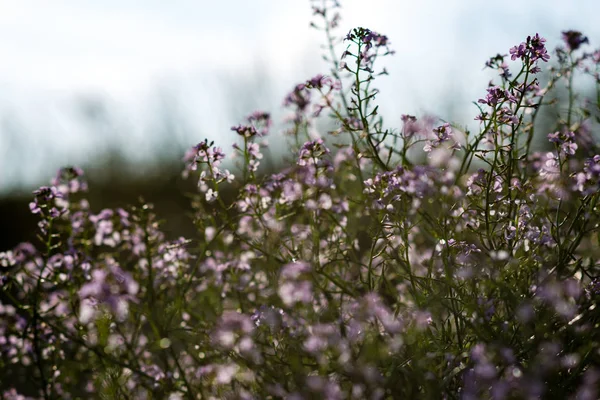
{"x":132,"y":55}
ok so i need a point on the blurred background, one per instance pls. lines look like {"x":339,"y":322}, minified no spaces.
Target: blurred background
{"x":122,"y":88}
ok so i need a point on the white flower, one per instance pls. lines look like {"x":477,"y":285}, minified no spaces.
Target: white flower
{"x":211,"y":195}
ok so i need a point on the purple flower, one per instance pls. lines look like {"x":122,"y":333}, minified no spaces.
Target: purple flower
{"x":594,"y":287}
{"x":574,"y":39}
{"x":497,"y":95}
{"x":519,"y":51}
{"x":532,"y":50}
{"x":269,"y":316}
{"x":112,"y":287}
{"x":588,"y":390}
{"x":555,"y":137}
{"x":295,"y":270}
{"x":12,"y":394}
{"x":367,"y":37}
{"x":292,"y":191}
{"x":70,"y":180}
{"x":24,"y":251}
{"x":588,"y":180}
{"x":568,"y":148}
{"x":7,"y":259}
{"x":311,"y":152}
{"x":299,"y":97}
{"x":443,"y":133}
{"x":292,"y":292}
{"x":260,"y":116}
{"x":315,"y":82}
{"x":294,"y":287}
{"x":565,"y":141}
{"x":244,"y":130}
{"x":261,"y":121}
{"x":45,"y":201}
{"x":232,"y":326}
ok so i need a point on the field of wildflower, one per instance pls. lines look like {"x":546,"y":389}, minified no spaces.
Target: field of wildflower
{"x":422,"y":261}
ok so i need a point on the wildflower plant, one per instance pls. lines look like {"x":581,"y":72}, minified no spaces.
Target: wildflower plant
{"x":364,"y":268}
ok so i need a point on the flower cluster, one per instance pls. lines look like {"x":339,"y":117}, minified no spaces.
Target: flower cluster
{"x":498,"y":63}
{"x":442,"y":134}
{"x":530,"y":51}
{"x":365,"y":267}
{"x":497,"y":95}
{"x":311,"y":153}
{"x":369,"y":45}
{"x":565,"y":141}
{"x":574,"y":39}
{"x":588,"y":180}
{"x":115,"y":292}
{"x":209,"y":156}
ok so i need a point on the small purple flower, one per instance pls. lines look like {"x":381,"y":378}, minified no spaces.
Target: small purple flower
{"x":497,"y":95}
{"x":45,"y":202}
{"x":323,"y":82}
{"x":311,"y":151}
{"x":231,"y":327}
{"x":293,"y":292}
{"x":299,"y":97}
{"x":315,"y":82}
{"x":7,"y":259}
{"x":293,"y":287}
{"x":555,"y":137}
{"x":70,"y":180}
{"x":261,"y":121}
{"x":111,"y":286}
{"x":211,"y":195}
{"x":488,"y":306}
{"x":594,"y":287}
{"x":532,"y":50}
{"x":295,"y":270}
{"x":443,"y":133}
{"x":565,"y":142}
{"x":519,"y":51}
{"x":568,"y":148}
{"x":244,"y":130}
{"x":367,"y":37}
{"x":574,"y":39}
{"x":269,"y":316}
{"x":260,"y":116}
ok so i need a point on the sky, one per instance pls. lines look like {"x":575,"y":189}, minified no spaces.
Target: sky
{"x":78,"y":74}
